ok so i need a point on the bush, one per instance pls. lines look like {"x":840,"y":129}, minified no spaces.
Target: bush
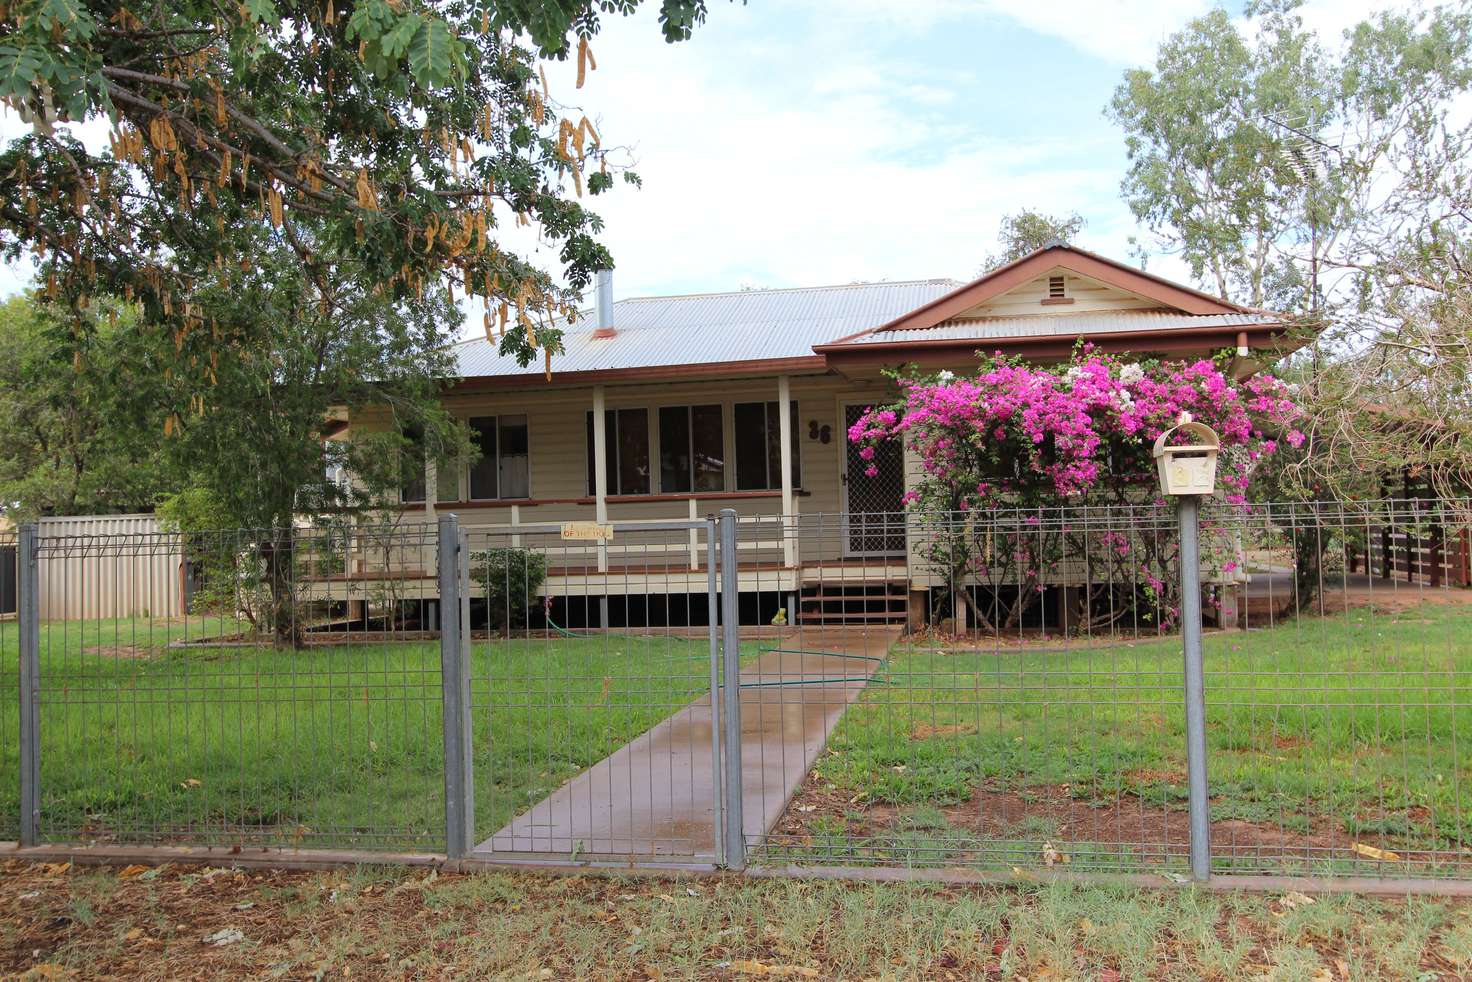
{"x":509,"y":580}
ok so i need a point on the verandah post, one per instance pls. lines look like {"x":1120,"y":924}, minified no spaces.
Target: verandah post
{"x":454,"y":559}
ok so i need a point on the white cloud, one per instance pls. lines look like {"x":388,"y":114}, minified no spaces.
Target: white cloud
{"x":801,"y":163}
{"x":1117,"y":31}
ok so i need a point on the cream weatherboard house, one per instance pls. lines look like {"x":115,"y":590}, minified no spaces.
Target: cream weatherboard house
{"x":673,"y":408}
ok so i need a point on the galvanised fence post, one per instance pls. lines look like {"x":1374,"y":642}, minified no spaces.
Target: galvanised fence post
{"x":731,"y":692}
{"x":713,"y":616}
{"x":28,"y":605}
{"x":454,"y":557}
{"x":1188,"y":509}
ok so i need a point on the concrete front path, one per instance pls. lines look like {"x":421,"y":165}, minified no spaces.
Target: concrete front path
{"x":655,"y":796}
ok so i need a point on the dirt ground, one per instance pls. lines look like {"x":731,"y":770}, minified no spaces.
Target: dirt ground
{"x":181,"y":922}
{"x":1025,"y":826}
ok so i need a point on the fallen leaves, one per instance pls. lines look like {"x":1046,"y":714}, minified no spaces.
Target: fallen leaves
{"x":1293,"y":900}
{"x":746,"y":967}
{"x":225,"y":936}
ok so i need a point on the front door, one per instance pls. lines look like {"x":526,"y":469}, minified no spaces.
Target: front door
{"x":874,"y":504}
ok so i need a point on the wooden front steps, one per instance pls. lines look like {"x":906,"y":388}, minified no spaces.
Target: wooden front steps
{"x":883,"y":602}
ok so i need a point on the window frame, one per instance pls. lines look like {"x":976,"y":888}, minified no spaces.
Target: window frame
{"x":770,"y":407}
{"x":613,"y":461}
{"x":689,"y":409}
{"x":466,"y":471}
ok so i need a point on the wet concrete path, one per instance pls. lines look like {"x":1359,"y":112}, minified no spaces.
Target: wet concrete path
{"x":655,"y":796}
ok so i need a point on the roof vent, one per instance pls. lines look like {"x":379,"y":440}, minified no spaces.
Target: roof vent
{"x":604,"y":307}
{"x":1057,"y":291}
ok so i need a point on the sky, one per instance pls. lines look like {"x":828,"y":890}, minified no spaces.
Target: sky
{"x":808,"y":142}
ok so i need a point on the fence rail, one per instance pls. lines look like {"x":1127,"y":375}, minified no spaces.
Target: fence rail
{"x":992,"y":690}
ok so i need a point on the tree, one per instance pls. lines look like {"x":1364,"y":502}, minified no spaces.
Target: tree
{"x":293,"y":196}
{"x":1027,"y":231}
{"x":383,"y":143}
{"x":258,"y":450}
{"x":259,"y":444}
{"x":69,"y":445}
{"x":1210,"y":172}
{"x":1332,"y":186}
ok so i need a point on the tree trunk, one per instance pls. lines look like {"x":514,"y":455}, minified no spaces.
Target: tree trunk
{"x":279,"y":554}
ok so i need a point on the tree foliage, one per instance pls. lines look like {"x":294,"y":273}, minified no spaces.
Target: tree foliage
{"x":70,"y":444}
{"x":384,"y":143}
{"x":1332,"y":183}
{"x":1027,"y":231}
{"x":294,"y":202}
{"x":1210,"y":173}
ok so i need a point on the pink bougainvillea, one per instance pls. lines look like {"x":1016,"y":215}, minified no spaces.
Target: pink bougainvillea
{"x":1022,"y":434}
{"x":1003,"y":449}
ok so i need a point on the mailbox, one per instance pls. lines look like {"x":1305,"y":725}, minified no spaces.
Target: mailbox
{"x":1188,"y":468}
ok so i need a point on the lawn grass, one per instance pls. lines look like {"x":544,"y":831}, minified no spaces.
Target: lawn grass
{"x":1324,"y":732}
{"x":181,"y":922}
{"x":1353,"y":726}
{"x":330,"y":746}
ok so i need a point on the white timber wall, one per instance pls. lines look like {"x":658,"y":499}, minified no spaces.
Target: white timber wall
{"x":558,"y":468}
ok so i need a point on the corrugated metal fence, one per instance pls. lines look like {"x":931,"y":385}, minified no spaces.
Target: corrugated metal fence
{"x":132,"y":571}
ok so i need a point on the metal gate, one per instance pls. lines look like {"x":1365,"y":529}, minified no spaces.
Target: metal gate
{"x":595,"y":664}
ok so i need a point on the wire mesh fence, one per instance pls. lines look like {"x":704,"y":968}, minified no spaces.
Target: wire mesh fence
{"x":992,"y":690}
{"x":277,"y":688}
{"x":1339,"y":718}
{"x":592,"y":670}
{"x":1026,"y":706}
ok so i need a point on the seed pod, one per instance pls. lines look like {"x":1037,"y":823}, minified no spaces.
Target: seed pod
{"x":585,"y":60}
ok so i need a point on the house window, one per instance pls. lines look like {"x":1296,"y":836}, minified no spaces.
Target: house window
{"x":502,"y":471}
{"x":626,"y":432}
{"x":759,"y":447}
{"x":413,"y":479}
{"x":692,"y":449}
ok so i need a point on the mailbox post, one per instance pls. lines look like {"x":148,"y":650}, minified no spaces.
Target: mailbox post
{"x":1188,"y":472}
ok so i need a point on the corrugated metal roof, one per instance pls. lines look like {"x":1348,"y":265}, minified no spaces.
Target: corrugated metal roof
{"x":705,"y":328}
{"x":1061,"y":325}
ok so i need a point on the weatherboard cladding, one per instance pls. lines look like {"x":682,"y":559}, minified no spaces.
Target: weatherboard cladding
{"x":751,"y":325}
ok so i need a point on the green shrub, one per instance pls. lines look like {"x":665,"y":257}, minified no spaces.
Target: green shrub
{"x":509,"y":580}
